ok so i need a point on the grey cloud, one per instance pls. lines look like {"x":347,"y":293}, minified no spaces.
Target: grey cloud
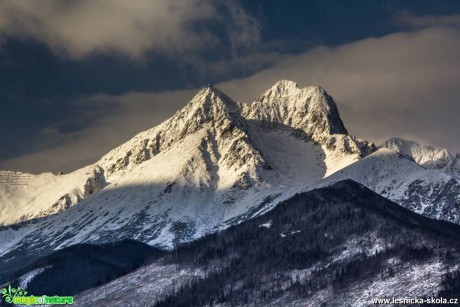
{"x":130,"y":28}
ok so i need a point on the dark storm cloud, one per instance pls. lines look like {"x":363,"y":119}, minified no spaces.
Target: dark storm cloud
{"x":130,"y":28}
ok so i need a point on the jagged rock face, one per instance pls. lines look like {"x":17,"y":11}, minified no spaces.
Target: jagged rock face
{"x":95,"y":182}
{"x":309,"y":109}
{"x":210,"y":109}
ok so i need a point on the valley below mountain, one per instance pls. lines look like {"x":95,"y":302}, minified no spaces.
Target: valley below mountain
{"x":342,"y":245}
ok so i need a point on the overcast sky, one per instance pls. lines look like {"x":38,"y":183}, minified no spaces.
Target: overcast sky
{"x":81,"y":77}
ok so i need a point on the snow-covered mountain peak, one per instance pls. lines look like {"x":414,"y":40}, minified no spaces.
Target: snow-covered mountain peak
{"x":211,"y":103}
{"x":310,"y":109}
{"x":209,"y":110}
{"x":427,"y":156}
{"x":208,"y":107}
{"x":284,"y":87}
{"x":287,"y":88}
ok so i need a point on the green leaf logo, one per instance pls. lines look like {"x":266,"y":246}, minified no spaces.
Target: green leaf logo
{"x":8,"y":294}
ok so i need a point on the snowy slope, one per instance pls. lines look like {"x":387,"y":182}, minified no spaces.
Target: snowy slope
{"x":430,"y":192}
{"x":25,"y":196}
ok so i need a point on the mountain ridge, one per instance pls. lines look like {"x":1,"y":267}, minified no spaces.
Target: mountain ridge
{"x":428,"y":156}
{"x":222,"y":117}
{"x":216,"y":163}
{"x":430,"y":192}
